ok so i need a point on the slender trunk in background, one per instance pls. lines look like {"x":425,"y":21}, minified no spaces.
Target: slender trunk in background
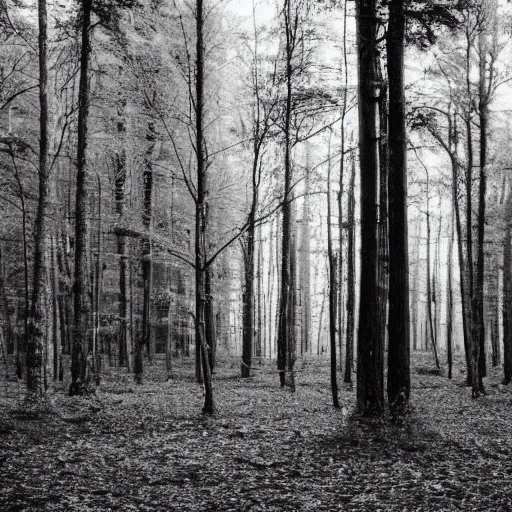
{"x":122,"y":252}
{"x":56,"y":341}
{"x":4,"y":306}
{"x":98,"y":351}
{"x":209,"y":318}
{"x":259,"y":300}
{"x":79,"y":352}
{"x":333,"y":289}
{"x":449,"y":299}
{"x":399,"y":378}
{"x":147,"y":260}
{"x":430,"y":320}
{"x":21,"y":191}
{"x":351,"y":285}
{"x":507,"y":293}
{"x":416,"y":289}
{"x":305,"y":262}
{"x":478,"y":309}
{"x":453,"y":144}
{"x":341,"y":301}
{"x":370,"y":392}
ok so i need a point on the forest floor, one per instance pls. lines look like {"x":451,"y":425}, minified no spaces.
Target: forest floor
{"x":148,"y":448}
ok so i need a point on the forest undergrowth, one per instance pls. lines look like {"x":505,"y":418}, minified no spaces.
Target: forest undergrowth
{"x":148,"y":448}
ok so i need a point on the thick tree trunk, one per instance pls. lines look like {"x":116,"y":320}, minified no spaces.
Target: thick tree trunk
{"x":370,"y":392}
{"x":399,"y":380}
{"x":37,"y":322}
{"x":79,"y":353}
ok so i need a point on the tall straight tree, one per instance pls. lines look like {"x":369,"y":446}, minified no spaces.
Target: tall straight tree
{"x":78,"y":357}
{"x":399,"y":380}
{"x":286,"y":335}
{"x":370,"y":392}
{"x":36,"y":332}
{"x":333,"y":289}
{"x":200,"y":220}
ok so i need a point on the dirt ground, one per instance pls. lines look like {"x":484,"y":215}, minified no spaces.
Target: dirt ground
{"x":148,"y":448}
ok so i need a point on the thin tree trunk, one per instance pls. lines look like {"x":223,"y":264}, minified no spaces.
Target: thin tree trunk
{"x":201,"y":220}
{"x":449,"y":299}
{"x":351,"y":290}
{"x":507,"y":293}
{"x":333,"y":290}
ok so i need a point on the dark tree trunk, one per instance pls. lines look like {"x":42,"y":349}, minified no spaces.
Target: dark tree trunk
{"x":201,"y":220}
{"x":248,"y":299}
{"x":79,"y":352}
{"x":351,"y":292}
{"x":285,"y":338}
{"x":430,"y":321}
{"x":399,"y":380}
{"x":4,"y":305}
{"x":147,"y":260}
{"x":333,"y":291}
{"x":507,"y":293}
{"x":383,"y":228}
{"x":449,"y":300}
{"x":370,"y":392}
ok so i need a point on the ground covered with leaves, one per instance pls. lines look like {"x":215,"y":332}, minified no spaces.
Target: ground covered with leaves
{"x":148,"y":448}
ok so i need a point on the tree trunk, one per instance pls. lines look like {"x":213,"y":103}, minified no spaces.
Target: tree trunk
{"x":383,"y":227}
{"x":430,"y":322}
{"x":370,"y":392}
{"x":36,"y":341}
{"x":201,"y":219}
{"x":399,"y":380}
{"x":333,"y":290}
{"x":507,"y":293}
{"x":4,"y":305}
{"x":285,"y":339}
{"x":449,"y":300}
{"x":351,"y":291}
{"x":147,"y":212}
{"x":79,"y":353}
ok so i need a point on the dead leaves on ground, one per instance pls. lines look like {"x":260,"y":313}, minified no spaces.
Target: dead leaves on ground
{"x":266,"y":449}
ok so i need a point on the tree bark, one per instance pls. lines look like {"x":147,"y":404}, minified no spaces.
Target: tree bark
{"x":79,"y":353}
{"x":507,"y":293}
{"x":333,"y":291}
{"x":399,"y":380}
{"x":36,"y":341}
{"x":351,"y":292}
{"x":370,"y":392}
